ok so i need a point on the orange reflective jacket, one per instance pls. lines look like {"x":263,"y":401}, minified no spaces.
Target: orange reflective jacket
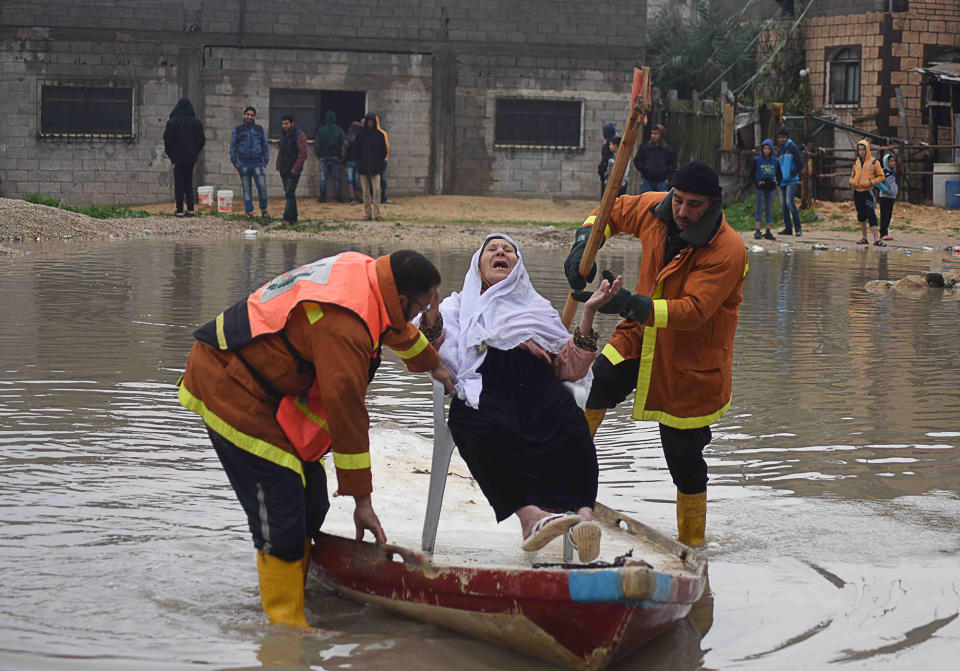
{"x":276,"y":358}
{"x":686,"y":345}
{"x":336,"y":280}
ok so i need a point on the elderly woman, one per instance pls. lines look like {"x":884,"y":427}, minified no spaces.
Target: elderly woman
{"x":516,"y":425}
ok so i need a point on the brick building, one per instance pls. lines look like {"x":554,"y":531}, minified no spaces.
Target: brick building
{"x":490,"y":97}
{"x":859,"y":51}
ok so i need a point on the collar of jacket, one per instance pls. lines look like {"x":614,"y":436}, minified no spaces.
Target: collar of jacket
{"x":702,"y":232}
{"x":388,"y":289}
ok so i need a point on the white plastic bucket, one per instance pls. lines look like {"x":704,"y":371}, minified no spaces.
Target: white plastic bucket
{"x":225,"y":200}
{"x":205,"y":196}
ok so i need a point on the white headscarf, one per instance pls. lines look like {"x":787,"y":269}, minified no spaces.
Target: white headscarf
{"x":508,"y":313}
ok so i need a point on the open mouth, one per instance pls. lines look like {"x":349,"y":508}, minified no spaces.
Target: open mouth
{"x":500,"y":264}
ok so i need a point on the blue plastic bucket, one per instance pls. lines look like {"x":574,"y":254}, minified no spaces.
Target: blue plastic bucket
{"x":952,"y":187}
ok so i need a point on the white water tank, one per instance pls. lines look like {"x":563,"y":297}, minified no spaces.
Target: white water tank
{"x":941,"y":173}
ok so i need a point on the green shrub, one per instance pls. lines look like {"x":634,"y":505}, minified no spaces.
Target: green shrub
{"x":740,"y":214}
{"x":95,"y":211}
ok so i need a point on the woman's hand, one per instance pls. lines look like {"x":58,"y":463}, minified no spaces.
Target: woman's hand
{"x":600,"y":297}
{"x":604,"y":294}
{"x":432,"y":313}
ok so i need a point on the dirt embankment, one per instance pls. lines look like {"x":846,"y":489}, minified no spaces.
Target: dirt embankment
{"x":438,"y":222}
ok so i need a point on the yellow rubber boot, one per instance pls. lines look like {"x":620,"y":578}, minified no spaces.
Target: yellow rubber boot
{"x":281,"y":590}
{"x":691,"y":517}
{"x":594,"y":417}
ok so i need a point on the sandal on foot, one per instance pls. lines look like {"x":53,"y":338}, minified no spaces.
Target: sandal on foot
{"x":547,"y":528}
{"x":863,"y":241}
{"x":886,"y":237}
{"x":585,"y":537}
{"x":178,"y":214}
{"x":248,"y":215}
{"x":879,"y":243}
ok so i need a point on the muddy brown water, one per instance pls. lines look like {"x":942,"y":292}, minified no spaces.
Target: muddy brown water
{"x":833,"y":523}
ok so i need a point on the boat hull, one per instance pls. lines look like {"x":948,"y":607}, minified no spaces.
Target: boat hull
{"x":579,"y":617}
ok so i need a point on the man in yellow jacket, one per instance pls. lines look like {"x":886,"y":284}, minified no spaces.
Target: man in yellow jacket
{"x":675,"y":346}
{"x":866,"y":174}
{"x":279,"y":379}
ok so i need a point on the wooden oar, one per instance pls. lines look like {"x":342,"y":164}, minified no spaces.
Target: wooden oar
{"x":639,"y":101}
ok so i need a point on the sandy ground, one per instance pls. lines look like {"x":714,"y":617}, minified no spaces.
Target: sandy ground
{"x":446,"y":221}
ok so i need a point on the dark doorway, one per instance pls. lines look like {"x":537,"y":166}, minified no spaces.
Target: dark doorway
{"x":349,"y":106}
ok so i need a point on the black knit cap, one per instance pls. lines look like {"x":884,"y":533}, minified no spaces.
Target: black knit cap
{"x":697,"y":177}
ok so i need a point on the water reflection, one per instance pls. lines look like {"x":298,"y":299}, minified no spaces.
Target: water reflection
{"x":834,"y":496}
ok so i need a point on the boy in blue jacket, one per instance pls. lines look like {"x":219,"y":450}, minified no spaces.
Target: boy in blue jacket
{"x":766,"y":175}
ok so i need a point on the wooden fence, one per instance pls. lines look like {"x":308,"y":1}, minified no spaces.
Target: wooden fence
{"x":693,"y":129}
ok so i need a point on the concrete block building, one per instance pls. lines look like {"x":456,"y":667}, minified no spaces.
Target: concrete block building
{"x":483,"y":97}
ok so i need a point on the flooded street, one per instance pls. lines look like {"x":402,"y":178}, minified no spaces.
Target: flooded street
{"x":833,"y":528}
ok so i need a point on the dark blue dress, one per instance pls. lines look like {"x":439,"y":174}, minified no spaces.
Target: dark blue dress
{"x":529,"y":443}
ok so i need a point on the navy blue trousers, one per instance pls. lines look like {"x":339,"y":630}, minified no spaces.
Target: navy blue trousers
{"x":281,"y":512}
{"x":683,"y":448}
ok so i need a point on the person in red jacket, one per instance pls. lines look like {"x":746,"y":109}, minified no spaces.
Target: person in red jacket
{"x":279,"y":379}
{"x":675,"y":345}
{"x":290,"y":160}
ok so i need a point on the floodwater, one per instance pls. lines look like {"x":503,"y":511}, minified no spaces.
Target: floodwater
{"x":834,"y":518}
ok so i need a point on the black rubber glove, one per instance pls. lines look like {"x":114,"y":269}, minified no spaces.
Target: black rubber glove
{"x":635,"y":307}
{"x":571,"y":267}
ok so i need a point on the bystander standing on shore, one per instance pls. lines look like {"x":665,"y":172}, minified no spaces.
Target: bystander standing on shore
{"x":183,"y":140}
{"x":290,"y":159}
{"x":250,"y":154}
{"x":328,"y":146}
{"x":888,"y":190}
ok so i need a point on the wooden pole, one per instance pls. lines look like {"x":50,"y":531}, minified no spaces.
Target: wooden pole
{"x":640,"y":99}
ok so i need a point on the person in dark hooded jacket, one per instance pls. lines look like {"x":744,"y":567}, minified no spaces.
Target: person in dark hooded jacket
{"x":183,"y":139}
{"x":609,"y":132}
{"x":656,"y":161}
{"x":328,"y":145}
{"x":371,"y":151}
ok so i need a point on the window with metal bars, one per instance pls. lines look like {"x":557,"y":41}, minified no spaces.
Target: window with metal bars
{"x":547,"y":124}
{"x":302,"y":104}
{"x":84,"y":111}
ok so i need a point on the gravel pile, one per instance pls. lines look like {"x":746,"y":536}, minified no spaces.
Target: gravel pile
{"x":23,"y":222}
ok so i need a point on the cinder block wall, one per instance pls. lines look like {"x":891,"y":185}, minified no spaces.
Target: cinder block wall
{"x":482,"y":168}
{"x":398,"y":87}
{"x":85,"y":171}
{"x":432,"y":69}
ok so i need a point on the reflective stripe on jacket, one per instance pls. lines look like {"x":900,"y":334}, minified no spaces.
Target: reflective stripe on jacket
{"x":686,"y":345}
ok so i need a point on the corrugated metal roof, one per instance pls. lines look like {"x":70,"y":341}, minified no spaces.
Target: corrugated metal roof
{"x":944,"y":72}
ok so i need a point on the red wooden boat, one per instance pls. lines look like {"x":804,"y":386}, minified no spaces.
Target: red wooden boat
{"x":478,"y":581}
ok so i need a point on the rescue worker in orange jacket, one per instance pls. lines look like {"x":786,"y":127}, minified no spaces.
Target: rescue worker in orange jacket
{"x":280,"y":378}
{"x":675,"y":347}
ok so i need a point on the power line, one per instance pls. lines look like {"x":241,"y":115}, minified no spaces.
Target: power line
{"x":766,"y":25}
{"x":776,"y":50}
